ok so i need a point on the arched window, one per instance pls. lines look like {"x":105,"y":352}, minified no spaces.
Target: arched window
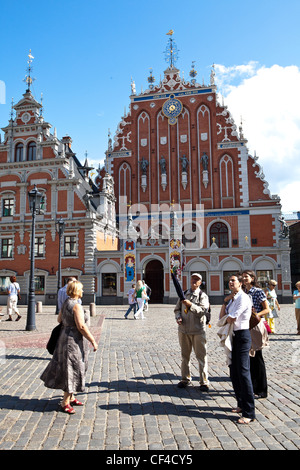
{"x":226,"y":181}
{"x":219,"y":232}
{"x":31,"y":151}
{"x":125,"y":181}
{"x":19,"y":153}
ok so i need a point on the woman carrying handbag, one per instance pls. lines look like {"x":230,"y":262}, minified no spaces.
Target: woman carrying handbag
{"x":257,"y":363}
{"x":67,"y":369}
{"x":141,"y":296}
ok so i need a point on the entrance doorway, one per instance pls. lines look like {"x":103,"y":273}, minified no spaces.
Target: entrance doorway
{"x":154,"y":278}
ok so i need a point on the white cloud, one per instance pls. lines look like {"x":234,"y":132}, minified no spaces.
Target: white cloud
{"x":268,"y":99}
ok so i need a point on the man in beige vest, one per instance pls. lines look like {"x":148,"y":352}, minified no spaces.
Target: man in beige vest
{"x":191,"y":319}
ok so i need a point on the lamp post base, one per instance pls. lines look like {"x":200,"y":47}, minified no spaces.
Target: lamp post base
{"x":30,"y":325}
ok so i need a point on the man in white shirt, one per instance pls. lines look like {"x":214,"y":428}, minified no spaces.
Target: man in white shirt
{"x":62,"y":294}
{"x":132,"y":302}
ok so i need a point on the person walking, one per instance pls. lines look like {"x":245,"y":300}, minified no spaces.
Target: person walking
{"x":13,"y":292}
{"x":67,"y":369}
{"x":148,"y":292}
{"x":62,"y":293}
{"x":132,"y":301}
{"x":296,"y":298}
{"x":260,"y":305}
{"x":140,"y":293}
{"x":238,"y":307}
{"x":191,"y":319}
{"x":273,"y":305}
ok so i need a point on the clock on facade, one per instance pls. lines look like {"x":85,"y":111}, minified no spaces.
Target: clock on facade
{"x":172,"y":109}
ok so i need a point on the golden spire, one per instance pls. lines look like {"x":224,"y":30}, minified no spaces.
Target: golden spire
{"x":28,"y":79}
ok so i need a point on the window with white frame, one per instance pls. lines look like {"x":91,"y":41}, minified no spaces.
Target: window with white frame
{"x":8,"y":206}
{"x":6,"y":248}
{"x":31,"y":151}
{"x":39,"y":247}
{"x":19,"y":152}
{"x":70,"y":245}
{"x":4,"y":284}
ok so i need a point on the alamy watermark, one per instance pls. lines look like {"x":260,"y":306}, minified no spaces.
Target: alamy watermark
{"x":162,"y":220}
{"x":2,"y":92}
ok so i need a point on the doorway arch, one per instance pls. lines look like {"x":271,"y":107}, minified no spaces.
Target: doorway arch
{"x":154,"y":278}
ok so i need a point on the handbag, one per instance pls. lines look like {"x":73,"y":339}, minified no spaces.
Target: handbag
{"x":254,"y":320}
{"x":53,"y":338}
{"x":267,"y":327}
{"x":144,"y":295}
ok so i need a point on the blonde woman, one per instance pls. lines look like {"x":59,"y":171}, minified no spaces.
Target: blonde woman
{"x":67,"y":369}
{"x":140,"y":293}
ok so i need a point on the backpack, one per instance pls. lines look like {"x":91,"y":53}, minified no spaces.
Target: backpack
{"x":207,"y":311}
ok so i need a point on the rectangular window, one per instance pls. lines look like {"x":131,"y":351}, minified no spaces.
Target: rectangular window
{"x":39,"y":247}
{"x":6,"y":247}
{"x":70,"y":245}
{"x":42,"y":205}
{"x":4,"y":283}
{"x":109,"y":284}
{"x":263,"y":277}
{"x":8,"y":207}
{"x":39,"y":284}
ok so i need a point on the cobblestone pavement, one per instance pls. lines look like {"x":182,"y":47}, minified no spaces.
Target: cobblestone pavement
{"x":132,"y":401}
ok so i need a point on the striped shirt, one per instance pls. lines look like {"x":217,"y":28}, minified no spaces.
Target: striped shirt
{"x":258,"y":296}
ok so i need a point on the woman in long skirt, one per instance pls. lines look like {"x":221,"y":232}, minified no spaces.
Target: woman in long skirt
{"x":67,"y":369}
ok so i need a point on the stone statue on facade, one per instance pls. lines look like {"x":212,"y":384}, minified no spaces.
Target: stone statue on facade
{"x":284,"y":229}
{"x":184,"y":163}
{"x":204,"y":160}
{"x":162,"y":164}
{"x":144,"y":165}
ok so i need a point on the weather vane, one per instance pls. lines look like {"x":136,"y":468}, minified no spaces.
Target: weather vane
{"x":28,"y":79}
{"x":171,"y":52}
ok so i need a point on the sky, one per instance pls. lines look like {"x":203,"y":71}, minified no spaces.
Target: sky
{"x":86,"y":53}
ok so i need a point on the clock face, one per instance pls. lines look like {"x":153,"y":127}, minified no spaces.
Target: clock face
{"x":172,"y":108}
{"x":25,"y":117}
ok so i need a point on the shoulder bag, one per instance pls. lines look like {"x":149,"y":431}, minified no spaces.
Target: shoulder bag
{"x":53,"y":338}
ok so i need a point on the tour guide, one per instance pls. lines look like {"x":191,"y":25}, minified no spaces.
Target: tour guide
{"x":191,"y":319}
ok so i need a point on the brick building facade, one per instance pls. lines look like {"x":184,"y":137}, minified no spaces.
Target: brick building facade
{"x":177,"y":156}
{"x":179,"y":191}
{"x":30,"y":155}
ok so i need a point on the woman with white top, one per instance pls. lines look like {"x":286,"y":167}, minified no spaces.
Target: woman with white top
{"x":237,"y":306}
{"x":140,"y":292}
{"x":13,"y":291}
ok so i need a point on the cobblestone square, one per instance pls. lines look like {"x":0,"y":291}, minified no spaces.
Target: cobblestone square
{"x":132,"y":401}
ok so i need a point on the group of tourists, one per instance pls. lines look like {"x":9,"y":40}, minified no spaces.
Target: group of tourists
{"x":244,"y":343}
{"x":138,"y":298}
{"x":244,"y":339}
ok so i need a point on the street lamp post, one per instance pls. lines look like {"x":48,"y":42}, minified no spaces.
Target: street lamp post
{"x":34,"y":197}
{"x":60,"y":227}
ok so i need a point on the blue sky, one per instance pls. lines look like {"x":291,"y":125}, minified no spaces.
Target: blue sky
{"x":85,"y":54}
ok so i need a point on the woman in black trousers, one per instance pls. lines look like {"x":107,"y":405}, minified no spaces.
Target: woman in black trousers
{"x":238,"y":307}
{"x":257,"y":363}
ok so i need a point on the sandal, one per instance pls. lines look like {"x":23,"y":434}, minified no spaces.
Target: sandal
{"x":236,"y":410}
{"x":76,"y":402}
{"x":68,"y":409}
{"x":245,"y":420}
